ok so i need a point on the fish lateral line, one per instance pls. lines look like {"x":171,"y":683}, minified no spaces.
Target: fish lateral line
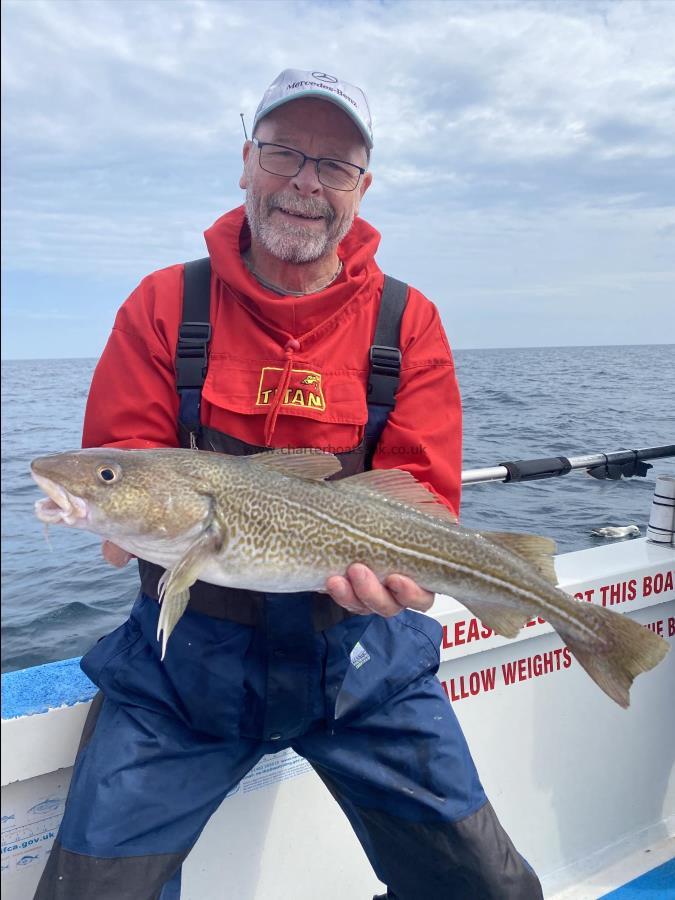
{"x":543,"y":606}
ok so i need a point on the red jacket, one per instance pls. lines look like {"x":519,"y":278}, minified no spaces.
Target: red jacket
{"x":133,"y":400}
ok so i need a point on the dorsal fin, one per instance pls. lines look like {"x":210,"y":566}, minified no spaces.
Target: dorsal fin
{"x":314,"y":465}
{"x":536,"y":550}
{"x":400,"y":487}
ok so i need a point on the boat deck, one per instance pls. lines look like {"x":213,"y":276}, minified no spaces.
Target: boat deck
{"x":646,"y":874}
{"x":585,"y":789}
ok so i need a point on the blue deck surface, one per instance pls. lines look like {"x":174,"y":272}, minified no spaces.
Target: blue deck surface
{"x":658,"y":884}
{"x":42,"y":688}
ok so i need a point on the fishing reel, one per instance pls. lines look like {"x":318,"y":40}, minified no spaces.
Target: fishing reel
{"x":614,"y":471}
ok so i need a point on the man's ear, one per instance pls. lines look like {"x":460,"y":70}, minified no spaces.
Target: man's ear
{"x":365,"y":183}
{"x":246,"y":152}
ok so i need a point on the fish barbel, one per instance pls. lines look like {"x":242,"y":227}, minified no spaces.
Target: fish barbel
{"x":272,"y":522}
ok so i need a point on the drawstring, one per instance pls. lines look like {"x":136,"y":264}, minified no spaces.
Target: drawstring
{"x":271,"y":419}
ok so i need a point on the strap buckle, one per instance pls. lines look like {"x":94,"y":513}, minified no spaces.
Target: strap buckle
{"x":385,"y":360}
{"x":194,"y":332}
{"x":385,"y":368}
{"x":191,"y":355}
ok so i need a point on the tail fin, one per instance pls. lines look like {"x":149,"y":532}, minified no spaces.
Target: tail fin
{"x":627,"y":650}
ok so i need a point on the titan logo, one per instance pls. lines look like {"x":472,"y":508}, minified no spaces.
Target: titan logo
{"x":304,"y":389}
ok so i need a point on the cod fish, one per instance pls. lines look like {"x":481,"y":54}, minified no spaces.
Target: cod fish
{"x":272,"y":522}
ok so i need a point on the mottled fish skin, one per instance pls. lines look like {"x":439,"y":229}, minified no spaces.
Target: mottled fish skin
{"x":271,"y":522}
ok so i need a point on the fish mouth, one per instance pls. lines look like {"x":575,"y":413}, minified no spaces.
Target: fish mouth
{"x":59,"y":506}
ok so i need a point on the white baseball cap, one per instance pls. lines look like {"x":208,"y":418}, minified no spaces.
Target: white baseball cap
{"x":291,"y":84}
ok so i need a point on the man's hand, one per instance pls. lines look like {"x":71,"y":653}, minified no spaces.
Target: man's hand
{"x":115,"y":555}
{"x":361,"y":592}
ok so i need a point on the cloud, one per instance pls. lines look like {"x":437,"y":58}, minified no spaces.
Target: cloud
{"x":497,"y":124}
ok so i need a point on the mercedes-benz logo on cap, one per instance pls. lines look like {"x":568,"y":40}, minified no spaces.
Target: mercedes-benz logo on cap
{"x":321,"y":76}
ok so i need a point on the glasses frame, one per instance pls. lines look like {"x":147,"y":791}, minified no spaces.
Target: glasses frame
{"x":305,"y":158}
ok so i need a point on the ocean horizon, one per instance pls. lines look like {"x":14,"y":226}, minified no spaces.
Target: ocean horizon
{"x":59,"y":598}
{"x":454,"y":349}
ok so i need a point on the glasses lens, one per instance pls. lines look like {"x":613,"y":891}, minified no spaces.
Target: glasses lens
{"x":280,"y":160}
{"x":339,"y":175}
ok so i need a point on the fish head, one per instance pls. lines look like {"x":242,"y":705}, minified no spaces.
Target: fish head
{"x":120,"y":493}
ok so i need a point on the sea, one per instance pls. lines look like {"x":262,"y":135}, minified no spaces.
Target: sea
{"x":59,"y":596}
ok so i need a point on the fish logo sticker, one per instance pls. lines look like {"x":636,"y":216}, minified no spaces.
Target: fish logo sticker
{"x":48,"y":805}
{"x":304,"y":389}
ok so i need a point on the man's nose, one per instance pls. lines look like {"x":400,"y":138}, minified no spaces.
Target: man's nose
{"x":307,"y":180}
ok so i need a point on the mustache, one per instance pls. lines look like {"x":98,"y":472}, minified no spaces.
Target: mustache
{"x":304,"y":206}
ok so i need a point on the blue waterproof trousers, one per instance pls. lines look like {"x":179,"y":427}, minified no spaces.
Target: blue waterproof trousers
{"x":165,"y":742}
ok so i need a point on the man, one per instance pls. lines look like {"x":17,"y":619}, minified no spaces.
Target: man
{"x":296,"y":299}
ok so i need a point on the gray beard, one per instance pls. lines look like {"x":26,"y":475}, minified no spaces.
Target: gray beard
{"x":289,"y":241}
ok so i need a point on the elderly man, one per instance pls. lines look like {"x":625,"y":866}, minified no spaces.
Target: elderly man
{"x":288,"y":335}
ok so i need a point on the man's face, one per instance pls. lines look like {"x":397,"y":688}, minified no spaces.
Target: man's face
{"x":297,"y":219}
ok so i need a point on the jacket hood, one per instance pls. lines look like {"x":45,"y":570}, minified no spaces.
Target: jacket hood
{"x":296,"y":317}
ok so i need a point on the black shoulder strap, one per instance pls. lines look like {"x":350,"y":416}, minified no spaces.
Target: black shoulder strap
{"x":192,"y":354}
{"x":195,"y":328}
{"x":195,"y":333}
{"x":385,"y":353}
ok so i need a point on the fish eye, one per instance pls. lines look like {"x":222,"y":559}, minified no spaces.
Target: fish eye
{"x":105,"y":473}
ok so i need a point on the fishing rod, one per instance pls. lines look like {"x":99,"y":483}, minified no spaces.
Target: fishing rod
{"x":616,"y":465}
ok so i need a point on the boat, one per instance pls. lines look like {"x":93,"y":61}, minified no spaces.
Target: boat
{"x":586,"y":790}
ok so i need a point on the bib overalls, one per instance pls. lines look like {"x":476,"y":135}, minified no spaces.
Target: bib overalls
{"x":248,"y":674}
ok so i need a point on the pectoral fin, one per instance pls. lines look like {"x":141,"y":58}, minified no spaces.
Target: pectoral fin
{"x":174,"y":585}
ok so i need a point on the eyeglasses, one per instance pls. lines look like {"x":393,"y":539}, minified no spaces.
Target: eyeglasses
{"x":332,"y":173}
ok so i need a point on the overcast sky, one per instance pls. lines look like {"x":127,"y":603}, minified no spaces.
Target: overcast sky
{"x":524,"y":155}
